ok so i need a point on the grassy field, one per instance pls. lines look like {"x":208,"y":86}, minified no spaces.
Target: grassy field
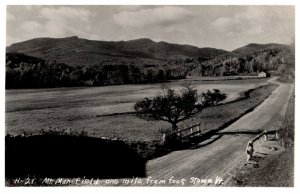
{"x":85,"y":109}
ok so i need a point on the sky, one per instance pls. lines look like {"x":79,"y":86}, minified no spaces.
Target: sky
{"x":223,"y":27}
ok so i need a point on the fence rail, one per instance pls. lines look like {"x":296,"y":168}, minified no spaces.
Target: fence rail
{"x":186,"y":132}
{"x":196,"y":130}
{"x":250,"y":145}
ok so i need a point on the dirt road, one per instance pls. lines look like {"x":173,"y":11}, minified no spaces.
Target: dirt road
{"x":216,"y":157}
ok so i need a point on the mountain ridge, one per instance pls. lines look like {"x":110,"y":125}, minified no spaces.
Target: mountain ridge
{"x":255,"y":47}
{"x":64,"y":49}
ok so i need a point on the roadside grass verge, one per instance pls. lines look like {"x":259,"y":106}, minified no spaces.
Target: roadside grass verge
{"x":225,"y":78}
{"x":275,"y":170}
{"x":288,"y":74}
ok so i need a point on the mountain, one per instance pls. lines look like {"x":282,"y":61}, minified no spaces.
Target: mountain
{"x":77,"y":51}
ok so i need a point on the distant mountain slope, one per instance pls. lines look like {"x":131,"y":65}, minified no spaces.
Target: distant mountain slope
{"x":250,"y":59}
{"x":77,"y":51}
{"x":253,"y":48}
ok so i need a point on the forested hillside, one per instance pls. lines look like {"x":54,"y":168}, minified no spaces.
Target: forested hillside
{"x":248,"y":60}
{"x":24,"y":71}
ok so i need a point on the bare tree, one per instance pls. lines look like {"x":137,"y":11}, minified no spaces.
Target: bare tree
{"x":176,"y":107}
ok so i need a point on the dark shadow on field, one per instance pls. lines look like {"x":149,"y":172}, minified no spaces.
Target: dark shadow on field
{"x":198,"y":141}
{"x":255,"y":158}
{"x":241,"y":132}
{"x":205,"y":142}
{"x":63,"y":156}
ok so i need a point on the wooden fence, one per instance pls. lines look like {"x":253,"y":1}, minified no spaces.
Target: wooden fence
{"x":194,"y":130}
{"x":257,"y":139}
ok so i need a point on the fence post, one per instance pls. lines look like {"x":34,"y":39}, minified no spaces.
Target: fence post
{"x":198,"y":130}
{"x":179,"y":134}
{"x":277,"y":134}
{"x":191,"y":130}
{"x":249,"y":150}
{"x":163,"y":138}
{"x":266,"y":135}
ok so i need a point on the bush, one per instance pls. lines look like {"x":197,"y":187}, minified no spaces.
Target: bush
{"x":56,"y":156}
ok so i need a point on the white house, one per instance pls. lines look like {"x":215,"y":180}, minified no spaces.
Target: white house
{"x":262,"y":74}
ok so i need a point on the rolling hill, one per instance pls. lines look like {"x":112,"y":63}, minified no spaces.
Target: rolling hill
{"x":253,"y":48}
{"x":76,"y":51}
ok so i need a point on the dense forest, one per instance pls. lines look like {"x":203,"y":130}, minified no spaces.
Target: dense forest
{"x":24,"y":71}
{"x":269,"y":60}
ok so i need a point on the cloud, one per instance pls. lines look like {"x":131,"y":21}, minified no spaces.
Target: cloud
{"x":57,"y":21}
{"x":10,"y":40}
{"x":221,"y":23}
{"x":253,"y":21}
{"x":237,"y":25}
{"x":259,"y":24}
{"x":31,"y":27}
{"x":65,"y":13}
{"x":166,"y":15}
{"x":28,"y":7}
{"x":56,"y":29}
{"x":10,"y":16}
{"x":65,"y":21}
{"x":129,"y":7}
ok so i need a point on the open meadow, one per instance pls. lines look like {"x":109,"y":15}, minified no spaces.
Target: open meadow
{"x":90,"y":109}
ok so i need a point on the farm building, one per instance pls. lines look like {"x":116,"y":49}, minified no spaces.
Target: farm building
{"x":262,"y":74}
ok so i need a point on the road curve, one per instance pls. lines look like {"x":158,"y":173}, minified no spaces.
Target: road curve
{"x":217,"y":156}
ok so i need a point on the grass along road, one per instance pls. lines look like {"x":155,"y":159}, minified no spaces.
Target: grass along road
{"x":273,"y":163}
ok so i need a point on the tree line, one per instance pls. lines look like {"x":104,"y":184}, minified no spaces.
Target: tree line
{"x":267,"y":60}
{"x":23,"y":71}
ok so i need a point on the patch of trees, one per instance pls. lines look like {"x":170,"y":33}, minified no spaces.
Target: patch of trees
{"x":24,"y":71}
{"x":268,"y":60}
